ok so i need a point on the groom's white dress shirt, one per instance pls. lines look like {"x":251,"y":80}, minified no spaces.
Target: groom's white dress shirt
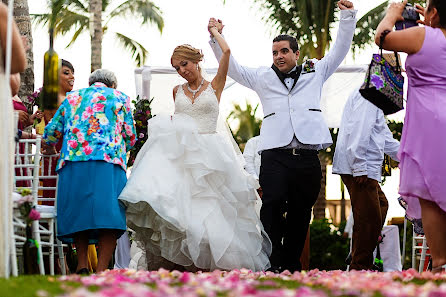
{"x":363,"y":139}
{"x":295,"y":114}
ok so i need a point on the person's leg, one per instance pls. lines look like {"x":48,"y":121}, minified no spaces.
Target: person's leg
{"x":273,"y":180}
{"x":367,"y":218}
{"x":434,"y":225}
{"x":81,"y":242}
{"x":305,"y":185}
{"x":107,"y":244}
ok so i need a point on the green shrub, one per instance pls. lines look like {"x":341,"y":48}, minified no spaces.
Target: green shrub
{"x":328,"y":249}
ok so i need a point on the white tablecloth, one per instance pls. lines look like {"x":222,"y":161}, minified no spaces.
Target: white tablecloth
{"x":390,"y":249}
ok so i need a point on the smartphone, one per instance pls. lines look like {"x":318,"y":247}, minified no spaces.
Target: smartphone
{"x":410,"y":16}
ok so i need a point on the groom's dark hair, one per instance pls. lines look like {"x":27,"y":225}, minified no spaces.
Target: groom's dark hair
{"x":293,"y":42}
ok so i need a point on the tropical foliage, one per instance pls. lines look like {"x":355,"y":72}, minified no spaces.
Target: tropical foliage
{"x":141,"y":114}
{"x":73,"y":16}
{"x":332,"y":254}
{"x":309,"y":20}
{"x":248,"y":124}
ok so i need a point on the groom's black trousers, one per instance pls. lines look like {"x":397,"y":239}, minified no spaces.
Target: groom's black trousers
{"x":291,"y":181}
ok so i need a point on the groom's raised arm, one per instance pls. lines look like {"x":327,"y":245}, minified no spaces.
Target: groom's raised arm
{"x":243,"y":75}
{"x":341,"y":47}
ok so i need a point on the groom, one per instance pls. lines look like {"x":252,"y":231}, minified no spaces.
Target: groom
{"x":293,"y":130}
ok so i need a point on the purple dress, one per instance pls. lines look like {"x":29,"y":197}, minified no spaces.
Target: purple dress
{"x":423,"y":143}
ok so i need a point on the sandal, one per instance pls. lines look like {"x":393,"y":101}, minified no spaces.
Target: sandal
{"x":83,"y":271}
{"x":439,"y":269}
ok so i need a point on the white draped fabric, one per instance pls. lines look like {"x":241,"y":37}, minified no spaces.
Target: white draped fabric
{"x":158,"y":82}
{"x":7,"y":157}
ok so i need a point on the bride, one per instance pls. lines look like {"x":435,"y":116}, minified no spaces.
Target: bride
{"x":188,"y":199}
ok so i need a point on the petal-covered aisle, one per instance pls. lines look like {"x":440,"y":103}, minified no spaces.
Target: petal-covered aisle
{"x":129,"y":283}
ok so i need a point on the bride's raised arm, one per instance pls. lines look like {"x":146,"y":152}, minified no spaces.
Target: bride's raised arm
{"x":218,"y":83}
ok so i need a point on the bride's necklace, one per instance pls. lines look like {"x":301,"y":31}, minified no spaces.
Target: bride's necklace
{"x":194,"y":91}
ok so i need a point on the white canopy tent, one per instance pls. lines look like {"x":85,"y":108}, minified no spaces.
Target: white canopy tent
{"x":158,"y":82}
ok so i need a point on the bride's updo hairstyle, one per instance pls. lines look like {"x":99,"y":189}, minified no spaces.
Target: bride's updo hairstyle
{"x":187,"y":52}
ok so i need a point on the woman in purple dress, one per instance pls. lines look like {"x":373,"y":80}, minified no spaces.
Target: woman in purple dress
{"x":423,"y":167}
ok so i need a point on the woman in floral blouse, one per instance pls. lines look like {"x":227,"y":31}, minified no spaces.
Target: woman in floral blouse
{"x":97,"y":128}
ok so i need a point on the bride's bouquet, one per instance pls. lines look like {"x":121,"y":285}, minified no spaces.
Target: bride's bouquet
{"x":141,"y":114}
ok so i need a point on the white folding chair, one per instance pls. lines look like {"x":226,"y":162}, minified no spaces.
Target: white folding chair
{"x":27,"y":164}
{"x":48,"y":193}
{"x":416,"y":238}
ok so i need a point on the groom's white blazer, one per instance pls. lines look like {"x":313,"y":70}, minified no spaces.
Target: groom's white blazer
{"x":296,"y":112}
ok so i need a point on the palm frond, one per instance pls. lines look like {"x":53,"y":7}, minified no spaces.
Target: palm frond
{"x":139,"y":53}
{"x":40,"y":19}
{"x":366,"y":26}
{"x":308,"y":20}
{"x":68,"y":20}
{"x":144,"y":9}
{"x":76,"y":35}
{"x":55,"y":7}
{"x":77,"y":5}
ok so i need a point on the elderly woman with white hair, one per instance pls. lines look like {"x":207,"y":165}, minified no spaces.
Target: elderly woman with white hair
{"x":97,"y":128}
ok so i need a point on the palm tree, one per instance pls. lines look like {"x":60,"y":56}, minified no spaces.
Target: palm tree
{"x":89,"y":16}
{"x":23,"y":20}
{"x":309,"y":20}
{"x":95,"y":10}
{"x":248,"y":124}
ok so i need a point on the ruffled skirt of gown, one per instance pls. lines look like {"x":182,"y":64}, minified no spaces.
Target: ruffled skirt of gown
{"x":191,"y":203}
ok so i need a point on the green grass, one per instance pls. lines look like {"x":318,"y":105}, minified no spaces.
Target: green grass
{"x":30,"y":285}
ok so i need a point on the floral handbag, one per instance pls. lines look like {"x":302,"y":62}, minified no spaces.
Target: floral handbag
{"x":383,"y":85}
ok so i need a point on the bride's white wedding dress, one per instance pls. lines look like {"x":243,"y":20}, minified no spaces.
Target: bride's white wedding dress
{"x":188,"y":199}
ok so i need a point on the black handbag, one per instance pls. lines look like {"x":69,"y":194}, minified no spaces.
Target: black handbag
{"x":383,"y":85}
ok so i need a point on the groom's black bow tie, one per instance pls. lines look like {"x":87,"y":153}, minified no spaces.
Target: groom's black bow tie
{"x":293,"y":74}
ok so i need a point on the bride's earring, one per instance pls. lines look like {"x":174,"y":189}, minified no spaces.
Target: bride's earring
{"x":197,"y":66}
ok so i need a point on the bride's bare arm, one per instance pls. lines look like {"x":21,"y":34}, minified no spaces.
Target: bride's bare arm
{"x":175,"y":89}
{"x":219,"y":80}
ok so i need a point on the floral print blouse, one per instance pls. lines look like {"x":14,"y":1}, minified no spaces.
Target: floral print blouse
{"x":96,"y":123}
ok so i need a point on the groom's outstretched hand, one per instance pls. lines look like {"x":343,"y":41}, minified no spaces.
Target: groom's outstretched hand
{"x":217,"y":24}
{"x":344,"y":5}
{"x":220,"y":26}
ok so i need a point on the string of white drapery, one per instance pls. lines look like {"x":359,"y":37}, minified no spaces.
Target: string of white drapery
{"x":335,"y":92}
{"x":7,"y":196}
{"x":143,"y":77}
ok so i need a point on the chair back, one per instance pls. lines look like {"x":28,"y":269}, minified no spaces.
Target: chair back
{"x":48,"y":179}
{"x":26,"y":167}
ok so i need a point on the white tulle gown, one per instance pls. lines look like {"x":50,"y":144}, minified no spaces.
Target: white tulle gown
{"x":188,"y":199}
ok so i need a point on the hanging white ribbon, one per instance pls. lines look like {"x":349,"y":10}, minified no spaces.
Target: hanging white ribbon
{"x":7,"y":156}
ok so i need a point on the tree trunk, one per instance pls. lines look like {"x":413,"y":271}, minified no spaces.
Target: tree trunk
{"x":23,"y":20}
{"x":95,"y":10}
{"x":319,"y":207}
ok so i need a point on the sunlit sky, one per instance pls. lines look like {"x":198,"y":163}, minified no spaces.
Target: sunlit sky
{"x":186,"y":22}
